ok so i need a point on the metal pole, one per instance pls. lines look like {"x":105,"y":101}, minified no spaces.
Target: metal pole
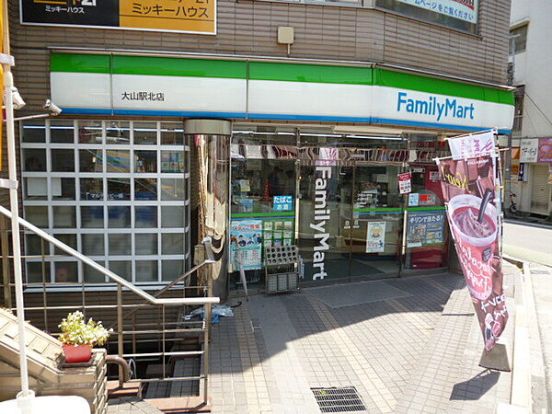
{"x":12,"y":175}
{"x":5,"y":262}
{"x":207,"y":322}
{"x":120,"y":344}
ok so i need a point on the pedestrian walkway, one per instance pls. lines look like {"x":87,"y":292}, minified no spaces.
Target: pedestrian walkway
{"x":405,"y":345}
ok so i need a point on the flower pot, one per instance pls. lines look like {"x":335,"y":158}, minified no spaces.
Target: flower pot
{"x":77,"y":353}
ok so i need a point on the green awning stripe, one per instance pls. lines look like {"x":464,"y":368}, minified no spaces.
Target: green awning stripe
{"x":283,"y":72}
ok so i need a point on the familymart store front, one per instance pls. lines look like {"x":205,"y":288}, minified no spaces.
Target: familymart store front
{"x":315,"y":151}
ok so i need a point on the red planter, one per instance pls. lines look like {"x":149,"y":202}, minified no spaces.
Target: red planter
{"x":77,"y":353}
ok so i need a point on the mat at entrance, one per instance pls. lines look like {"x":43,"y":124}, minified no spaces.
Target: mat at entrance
{"x":351,"y":294}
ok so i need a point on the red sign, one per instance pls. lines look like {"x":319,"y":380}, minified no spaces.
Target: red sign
{"x":405,"y":185}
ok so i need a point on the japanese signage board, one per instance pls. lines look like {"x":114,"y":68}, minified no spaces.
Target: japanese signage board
{"x":469,"y":190}
{"x":545,"y":150}
{"x":282,"y":203}
{"x":185,"y":16}
{"x":469,"y":145}
{"x":375,"y":237}
{"x":405,"y":180}
{"x":529,"y":150}
{"x":246,"y":244}
{"x":425,"y":228}
{"x":465,"y":10}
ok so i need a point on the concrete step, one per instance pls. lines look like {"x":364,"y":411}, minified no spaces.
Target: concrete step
{"x":180,"y":405}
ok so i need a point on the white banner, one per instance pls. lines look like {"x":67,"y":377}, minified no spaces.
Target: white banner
{"x":460,"y":9}
{"x":473,"y":145}
{"x":375,"y":237}
{"x":529,"y":150}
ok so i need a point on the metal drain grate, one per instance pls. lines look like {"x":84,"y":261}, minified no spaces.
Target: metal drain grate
{"x":338,"y":400}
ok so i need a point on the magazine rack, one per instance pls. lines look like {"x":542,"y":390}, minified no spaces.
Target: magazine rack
{"x":281,"y":269}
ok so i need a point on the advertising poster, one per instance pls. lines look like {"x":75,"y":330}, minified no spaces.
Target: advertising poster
{"x":187,"y":16}
{"x":469,"y":191}
{"x":425,"y":228}
{"x":405,"y":183}
{"x":529,"y":150}
{"x":545,"y":150}
{"x":246,"y":237}
{"x":465,"y":10}
{"x":375,"y":237}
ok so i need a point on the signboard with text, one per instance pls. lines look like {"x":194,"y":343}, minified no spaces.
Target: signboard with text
{"x":460,"y":9}
{"x":185,"y":16}
{"x":529,"y":150}
{"x":425,"y":228}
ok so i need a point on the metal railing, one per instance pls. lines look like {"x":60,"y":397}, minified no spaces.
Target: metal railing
{"x":137,"y":333}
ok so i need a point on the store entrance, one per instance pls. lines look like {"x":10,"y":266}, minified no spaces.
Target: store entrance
{"x":349,"y":220}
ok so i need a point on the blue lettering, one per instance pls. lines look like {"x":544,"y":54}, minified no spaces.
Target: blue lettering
{"x":431,"y":106}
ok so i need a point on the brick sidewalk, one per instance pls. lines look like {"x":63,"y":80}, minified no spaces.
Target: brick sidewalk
{"x":406,"y":345}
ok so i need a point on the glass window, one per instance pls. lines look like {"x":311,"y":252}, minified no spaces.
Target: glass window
{"x":171,"y":269}
{"x":172,"y":216}
{"x":117,"y":133}
{"x":93,"y":244}
{"x":173,"y":189}
{"x":518,"y":43}
{"x":145,"y":189}
{"x":118,"y":188}
{"x":121,"y":268}
{"x":64,"y":217}
{"x":172,"y":161}
{"x":145,"y":244}
{"x":119,"y":216}
{"x":145,"y":161}
{"x":66,"y":272}
{"x":35,"y":270}
{"x":456,"y":15}
{"x":145,"y":217}
{"x":146,"y":271}
{"x":172,"y":243}
{"x":118,"y":161}
{"x":37,"y":215}
{"x":90,"y":132}
{"x":92,"y":275}
{"x":34,"y":131}
{"x":90,"y":160}
{"x":91,"y":189}
{"x":120,"y":245}
{"x":172,"y":134}
{"x":36,"y":188}
{"x":63,"y":160}
{"x":34,"y":159}
{"x":92,"y":217}
{"x":63,"y":188}
{"x":62,"y":132}
{"x":145,"y":133}
{"x":68,"y":239}
{"x":35,"y":246}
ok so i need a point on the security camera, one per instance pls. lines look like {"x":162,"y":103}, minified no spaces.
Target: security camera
{"x":17,"y":100}
{"x":52,"y":108}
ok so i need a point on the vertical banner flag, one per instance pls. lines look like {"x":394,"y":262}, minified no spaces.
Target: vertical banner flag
{"x":469,"y":190}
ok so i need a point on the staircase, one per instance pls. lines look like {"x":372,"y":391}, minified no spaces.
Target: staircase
{"x":45,"y":375}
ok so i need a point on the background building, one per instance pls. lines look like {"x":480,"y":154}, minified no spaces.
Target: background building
{"x":366,"y":89}
{"x":531,"y":174}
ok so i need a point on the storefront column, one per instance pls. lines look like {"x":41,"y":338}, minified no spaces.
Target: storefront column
{"x":210,"y":139}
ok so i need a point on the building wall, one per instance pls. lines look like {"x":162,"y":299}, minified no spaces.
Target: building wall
{"x":532,"y":67}
{"x":321,"y":32}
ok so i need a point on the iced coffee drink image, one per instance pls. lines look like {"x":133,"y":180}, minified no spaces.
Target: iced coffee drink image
{"x":474,"y":234}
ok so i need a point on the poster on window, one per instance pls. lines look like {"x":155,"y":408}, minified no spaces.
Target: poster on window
{"x":425,"y":228}
{"x":375,"y":237}
{"x":405,"y":183}
{"x":469,"y":191}
{"x":246,"y":238}
{"x":460,"y":9}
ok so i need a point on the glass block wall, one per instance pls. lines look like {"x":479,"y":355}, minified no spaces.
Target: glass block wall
{"x":117,"y":191}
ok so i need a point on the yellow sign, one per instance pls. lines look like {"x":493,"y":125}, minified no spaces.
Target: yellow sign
{"x":185,"y":16}
{"x":180,"y":15}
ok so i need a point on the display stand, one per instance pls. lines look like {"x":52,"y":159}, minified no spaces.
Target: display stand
{"x":281,"y":269}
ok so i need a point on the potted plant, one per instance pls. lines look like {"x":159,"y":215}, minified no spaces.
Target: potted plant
{"x":78,"y":337}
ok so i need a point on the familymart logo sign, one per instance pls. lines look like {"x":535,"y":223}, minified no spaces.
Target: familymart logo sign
{"x":436,"y":107}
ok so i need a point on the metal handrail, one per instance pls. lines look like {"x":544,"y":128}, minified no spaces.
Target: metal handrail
{"x":117,"y":279}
